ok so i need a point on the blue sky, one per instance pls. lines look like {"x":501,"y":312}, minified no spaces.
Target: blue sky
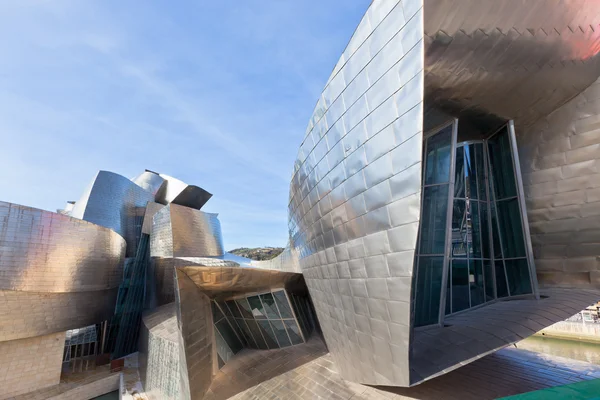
{"x":216,"y":93}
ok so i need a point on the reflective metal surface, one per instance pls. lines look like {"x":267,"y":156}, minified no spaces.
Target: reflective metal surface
{"x":57,"y":272}
{"x":178,"y":192}
{"x":115,"y":202}
{"x":180,"y":231}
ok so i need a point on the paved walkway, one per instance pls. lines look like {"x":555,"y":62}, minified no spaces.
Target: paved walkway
{"x":308,"y":371}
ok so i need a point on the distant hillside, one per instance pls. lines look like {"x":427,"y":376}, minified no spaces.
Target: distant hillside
{"x":258,"y":253}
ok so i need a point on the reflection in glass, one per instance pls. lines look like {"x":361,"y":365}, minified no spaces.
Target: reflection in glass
{"x":437,"y":156}
{"x":502,"y":166}
{"x":511,"y":230}
{"x":485,"y":230}
{"x":269,"y":306}
{"x":428,"y":290}
{"x":459,"y":173}
{"x":244,"y":307}
{"x":282,"y":303}
{"x":460,"y":285}
{"x":471,"y":174}
{"x":476,"y":282}
{"x":217,"y":314}
{"x":479,"y":166}
{"x":474,"y":229}
{"x":223,"y":350}
{"x":233,"y":308}
{"x":257,"y":308}
{"x":225,"y":309}
{"x":460,"y":234}
{"x":268,"y":334}
{"x":280,"y":333}
{"x":229,"y":335}
{"x":489,"y":280}
{"x":260,"y":342}
{"x":501,"y":288}
{"x":433,"y":220}
{"x":246,"y":332}
{"x":293,"y":331}
{"x":517,"y":273}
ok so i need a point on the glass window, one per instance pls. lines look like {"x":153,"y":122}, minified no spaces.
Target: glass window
{"x":229,"y":335}
{"x":479,"y":166}
{"x":489,"y":280}
{"x":253,"y":326}
{"x":244,"y":308}
{"x":470,"y":172}
{"x":293,"y":331}
{"x":485,"y":230}
{"x":428,"y":290}
{"x":475,"y":229}
{"x":268,"y":334}
{"x":223,"y":350}
{"x":217,"y":314}
{"x":476,"y":282}
{"x":511,"y":229}
{"x":234,"y":309}
{"x":459,"y":173}
{"x":269,"y":306}
{"x":502,"y":166}
{"x":495,"y":234}
{"x":257,"y":308}
{"x":517,"y":273}
{"x":433,"y":221}
{"x":242,"y":324}
{"x":437,"y":156}
{"x":283,"y":304}
{"x":280,"y":333}
{"x":225,"y":308}
{"x":501,"y":288}
{"x":460,"y":285}
{"x":459,"y":229}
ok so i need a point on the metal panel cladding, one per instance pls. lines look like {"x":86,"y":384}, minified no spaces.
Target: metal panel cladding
{"x":115,"y":202}
{"x":62,"y":268}
{"x":180,"y":231}
{"x":355,"y":194}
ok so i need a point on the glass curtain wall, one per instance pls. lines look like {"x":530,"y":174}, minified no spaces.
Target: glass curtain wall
{"x":510,"y":256}
{"x":227,"y":340}
{"x":431,"y":248}
{"x":479,"y":254}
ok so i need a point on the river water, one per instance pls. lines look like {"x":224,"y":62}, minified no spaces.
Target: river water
{"x":576,"y":350}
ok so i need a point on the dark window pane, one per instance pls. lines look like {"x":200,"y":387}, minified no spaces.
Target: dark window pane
{"x":242,"y":324}
{"x":485,"y":230}
{"x":437,"y":156}
{"x":280,"y":333}
{"x":256,"y":334}
{"x":476,"y":282}
{"x":282,"y":303}
{"x":495,"y":233}
{"x":459,"y":173}
{"x":257,"y":307}
{"x":233,"y":308}
{"x":217,"y":314}
{"x":448,"y":306}
{"x":502,"y":166}
{"x":269,"y":304}
{"x":517,"y":273}
{"x":475,"y":231}
{"x":428,"y":290}
{"x":234,"y":323}
{"x":268,"y":334}
{"x":471,"y":175}
{"x":244,"y":308}
{"x":489,"y":280}
{"x":225,"y":309}
{"x":480,"y":169}
{"x":459,"y":229}
{"x":501,"y":288}
{"x":460,"y":285}
{"x":223,"y":350}
{"x":293,"y":331}
{"x":433,"y":222}
{"x":511,"y":229}
{"x":229,"y":335}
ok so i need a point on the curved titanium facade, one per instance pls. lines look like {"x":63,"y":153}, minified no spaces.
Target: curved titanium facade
{"x":58,"y":272}
{"x":355,"y":196}
{"x":180,"y":231}
{"x":117,"y":203}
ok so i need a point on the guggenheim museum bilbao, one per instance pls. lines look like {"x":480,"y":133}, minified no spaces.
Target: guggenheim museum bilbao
{"x":444,"y":204}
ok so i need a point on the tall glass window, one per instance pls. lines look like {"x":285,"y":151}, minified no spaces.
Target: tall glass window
{"x":429,"y":258}
{"x":512,"y":268}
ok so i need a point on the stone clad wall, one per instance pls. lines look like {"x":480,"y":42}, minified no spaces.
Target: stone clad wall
{"x":30,"y":364}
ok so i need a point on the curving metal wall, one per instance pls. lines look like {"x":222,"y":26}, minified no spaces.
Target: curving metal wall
{"x":179,"y":231}
{"x":58,"y":272}
{"x":115,"y":202}
{"x":355,"y":194}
